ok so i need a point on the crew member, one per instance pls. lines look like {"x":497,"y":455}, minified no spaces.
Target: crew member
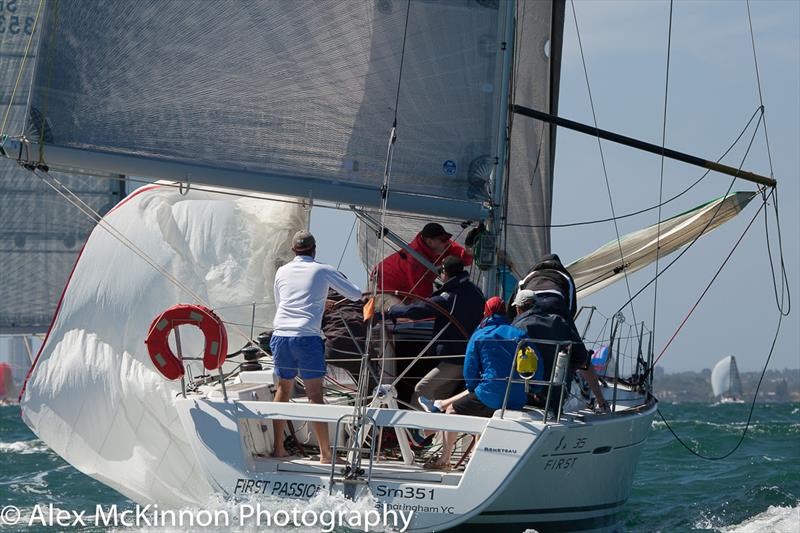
{"x":487,"y":367}
{"x":464,"y":301}
{"x":549,"y":276}
{"x":297,"y":343}
{"x":545,"y":316}
{"x":401,"y":272}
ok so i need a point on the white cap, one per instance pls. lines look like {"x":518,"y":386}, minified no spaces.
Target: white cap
{"x":524,"y":298}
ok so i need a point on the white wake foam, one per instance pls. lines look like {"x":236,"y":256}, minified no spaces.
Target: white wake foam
{"x":24,"y":447}
{"x":776,"y":519}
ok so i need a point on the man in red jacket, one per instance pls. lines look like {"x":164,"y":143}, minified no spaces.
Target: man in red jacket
{"x":401,"y":272}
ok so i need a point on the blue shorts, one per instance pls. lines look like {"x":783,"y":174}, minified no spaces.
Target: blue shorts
{"x":306,"y":354}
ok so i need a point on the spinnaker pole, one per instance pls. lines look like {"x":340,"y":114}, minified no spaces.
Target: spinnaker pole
{"x":641,"y":145}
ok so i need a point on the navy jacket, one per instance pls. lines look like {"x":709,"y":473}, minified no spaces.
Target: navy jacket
{"x":550,"y":319}
{"x":463,"y":299}
{"x":490,"y":355}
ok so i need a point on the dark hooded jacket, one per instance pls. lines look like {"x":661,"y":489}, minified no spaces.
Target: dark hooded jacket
{"x":549,"y":319}
{"x":463,"y":299}
{"x":550,"y":275}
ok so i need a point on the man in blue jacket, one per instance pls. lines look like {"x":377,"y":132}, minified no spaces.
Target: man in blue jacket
{"x":464,"y":301}
{"x":490,"y":356}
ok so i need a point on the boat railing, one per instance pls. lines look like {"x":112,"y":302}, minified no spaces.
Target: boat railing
{"x":559,"y":375}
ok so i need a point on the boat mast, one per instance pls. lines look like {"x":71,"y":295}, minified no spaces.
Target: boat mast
{"x":497,"y":214}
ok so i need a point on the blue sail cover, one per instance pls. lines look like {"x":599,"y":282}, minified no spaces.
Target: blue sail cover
{"x":40,"y":233}
{"x":284,"y":96}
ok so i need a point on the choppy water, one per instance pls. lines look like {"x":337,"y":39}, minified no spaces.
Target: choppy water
{"x":756,"y":489}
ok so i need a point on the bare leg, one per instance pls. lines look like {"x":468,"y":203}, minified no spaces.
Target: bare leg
{"x":314,"y":393}
{"x":448,"y":443}
{"x":594,"y":385}
{"x":444,"y":404}
{"x":282,"y":394}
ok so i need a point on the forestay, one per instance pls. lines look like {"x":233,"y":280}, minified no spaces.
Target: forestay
{"x":93,"y":395}
{"x":40,"y":234}
{"x":283,"y":96}
{"x":640,"y":248}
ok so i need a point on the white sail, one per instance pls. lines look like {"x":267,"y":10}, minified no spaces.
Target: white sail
{"x":725,"y":379}
{"x":40,"y":234}
{"x":603,"y":267}
{"x":93,"y":395}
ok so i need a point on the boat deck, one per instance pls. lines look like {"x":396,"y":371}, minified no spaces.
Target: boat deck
{"x":389,"y":470}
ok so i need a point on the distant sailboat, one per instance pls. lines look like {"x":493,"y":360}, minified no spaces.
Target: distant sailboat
{"x":725,"y":381}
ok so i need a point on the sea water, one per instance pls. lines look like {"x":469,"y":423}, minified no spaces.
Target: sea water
{"x":755,"y":489}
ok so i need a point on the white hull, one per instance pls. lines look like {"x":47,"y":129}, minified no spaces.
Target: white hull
{"x":573,"y":475}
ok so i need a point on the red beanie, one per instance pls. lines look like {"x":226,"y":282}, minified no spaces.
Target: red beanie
{"x":494,"y":306}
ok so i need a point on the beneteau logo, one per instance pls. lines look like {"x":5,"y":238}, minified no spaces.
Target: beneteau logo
{"x":500,"y":450}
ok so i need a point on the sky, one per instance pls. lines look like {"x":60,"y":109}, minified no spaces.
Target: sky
{"x":712,"y":94}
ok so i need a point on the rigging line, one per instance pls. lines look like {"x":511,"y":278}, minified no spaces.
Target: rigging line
{"x":708,"y":224}
{"x":749,"y":416}
{"x":651,"y":208}
{"x":603,"y":161}
{"x":21,"y":70}
{"x":347,"y":243}
{"x":784,"y":280}
{"x":381,"y":248}
{"x":713,"y":279}
{"x":402,"y":61}
{"x":785,"y":292}
{"x":87,"y":210}
{"x":785,"y":297}
{"x":661,"y":177}
{"x":758,"y":81}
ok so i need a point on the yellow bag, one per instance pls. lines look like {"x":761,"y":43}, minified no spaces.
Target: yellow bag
{"x":527,"y":362}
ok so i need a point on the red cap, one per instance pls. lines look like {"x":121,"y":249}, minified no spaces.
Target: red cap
{"x":494,"y":306}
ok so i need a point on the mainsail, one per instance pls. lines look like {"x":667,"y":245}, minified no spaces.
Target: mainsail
{"x":725,"y":379}
{"x":93,"y":395}
{"x":604,"y":266}
{"x":40,"y":234}
{"x":287,"y":97}
{"x":537,"y":73}
{"x":535,"y":79}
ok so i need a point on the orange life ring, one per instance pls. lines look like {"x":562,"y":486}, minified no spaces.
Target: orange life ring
{"x":157,"y":341}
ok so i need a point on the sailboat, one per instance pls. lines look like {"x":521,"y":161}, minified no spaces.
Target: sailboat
{"x":725,"y":381}
{"x":398,"y":111}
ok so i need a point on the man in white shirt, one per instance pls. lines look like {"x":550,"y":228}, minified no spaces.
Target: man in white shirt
{"x":298,"y":344}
